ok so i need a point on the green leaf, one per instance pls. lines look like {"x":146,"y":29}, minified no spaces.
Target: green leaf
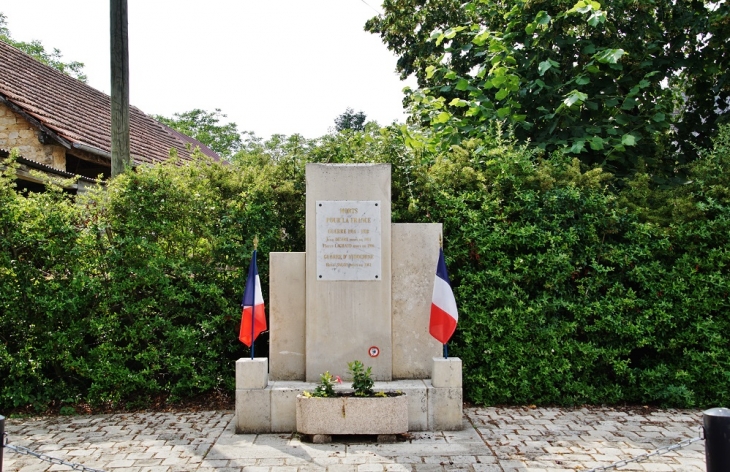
{"x":628,"y":104}
{"x":542,"y":18}
{"x":451,"y":32}
{"x":582,"y":80}
{"x":575,"y":98}
{"x":530,"y":28}
{"x":457,"y":102}
{"x":430,"y":71}
{"x":543,"y":67}
{"x":501,"y":94}
{"x":596,"y":143}
{"x":589,"y":48}
{"x":451,"y":75}
{"x":462,"y":84}
{"x":581,"y":7}
{"x":502,"y":112}
{"x":481,"y":38}
{"x":442,"y":117}
{"x":610,"y":56}
{"x":658,"y":117}
{"x":597,"y":17}
{"x":578,"y":147}
{"x":628,"y":140}
{"x":621,"y":119}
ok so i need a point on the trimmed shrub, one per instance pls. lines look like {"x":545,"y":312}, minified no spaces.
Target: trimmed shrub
{"x":571,"y":288}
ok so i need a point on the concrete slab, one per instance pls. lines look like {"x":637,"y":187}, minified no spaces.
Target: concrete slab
{"x":287,"y":313}
{"x":252,"y":373}
{"x":283,"y":404}
{"x":444,"y":409}
{"x":446,"y":372}
{"x":253,"y":410}
{"x":415,"y":254}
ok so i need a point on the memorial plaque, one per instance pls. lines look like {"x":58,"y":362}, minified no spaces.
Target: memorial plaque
{"x":348,"y":240}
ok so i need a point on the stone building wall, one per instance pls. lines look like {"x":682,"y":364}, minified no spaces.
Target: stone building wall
{"x":16,"y":132}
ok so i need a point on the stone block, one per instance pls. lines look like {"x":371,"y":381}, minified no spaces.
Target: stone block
{"x":287,"y":310}
{"x":352,"y":415}
{"x":284,"y":404}
{"x":252,"y":373}
{"x":416,"y":393}
{"x":446,"y":373}
{"x":253,"y":411}
{"x":415,"y":249}
{"x":346,"y":318}
{"x":445,"y":409}
{"x":321,"y":438}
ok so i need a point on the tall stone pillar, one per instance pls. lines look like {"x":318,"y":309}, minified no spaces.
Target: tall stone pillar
{"x":348,"y":308}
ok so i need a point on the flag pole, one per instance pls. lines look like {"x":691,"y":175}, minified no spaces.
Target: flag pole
{"x":441,"y":246}
{"x":253,"y":302}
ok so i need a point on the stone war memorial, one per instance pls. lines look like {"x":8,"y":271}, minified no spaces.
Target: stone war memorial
{"x":361,"y":291}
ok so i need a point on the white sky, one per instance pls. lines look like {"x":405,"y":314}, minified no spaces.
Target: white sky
{"x":273,"y":66}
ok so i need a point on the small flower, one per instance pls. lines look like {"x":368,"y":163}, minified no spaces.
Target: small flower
{"x":338,"y":379}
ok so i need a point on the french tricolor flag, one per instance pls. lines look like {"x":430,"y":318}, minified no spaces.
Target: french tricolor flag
{"x":253,"y":317}
{"x":443,"y":305}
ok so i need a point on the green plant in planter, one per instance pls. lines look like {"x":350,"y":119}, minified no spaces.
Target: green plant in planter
{"x":326,"y":387}
{"x":362,"y":381}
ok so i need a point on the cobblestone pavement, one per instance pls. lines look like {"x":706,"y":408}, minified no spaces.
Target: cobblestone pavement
{"x":494,"y":440}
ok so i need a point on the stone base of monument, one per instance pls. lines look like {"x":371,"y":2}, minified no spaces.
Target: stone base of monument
{"x":352,"y":415}
{"x":264,"y":406}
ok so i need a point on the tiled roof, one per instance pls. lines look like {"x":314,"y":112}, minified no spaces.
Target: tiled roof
{"x":81,"y":114}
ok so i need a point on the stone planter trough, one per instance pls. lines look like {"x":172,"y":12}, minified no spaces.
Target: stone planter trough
{"x":352,"y":415}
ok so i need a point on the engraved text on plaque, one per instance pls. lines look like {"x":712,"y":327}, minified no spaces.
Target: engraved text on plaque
{"x":348,"y":240}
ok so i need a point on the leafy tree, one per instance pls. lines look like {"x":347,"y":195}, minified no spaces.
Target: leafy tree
{"x":37,"y":51}
{"x":205,"y":126}
{"x":350,"y":120}
{"x":406,"y":29}
{"x":614,"y":85}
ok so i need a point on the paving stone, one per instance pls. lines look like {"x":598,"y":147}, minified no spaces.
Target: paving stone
{"x":503,"y":439}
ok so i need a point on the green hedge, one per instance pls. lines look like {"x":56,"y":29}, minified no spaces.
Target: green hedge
{"x":134,"y":291}
{"x":569,"y":295}
{"x":572,"y":287}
